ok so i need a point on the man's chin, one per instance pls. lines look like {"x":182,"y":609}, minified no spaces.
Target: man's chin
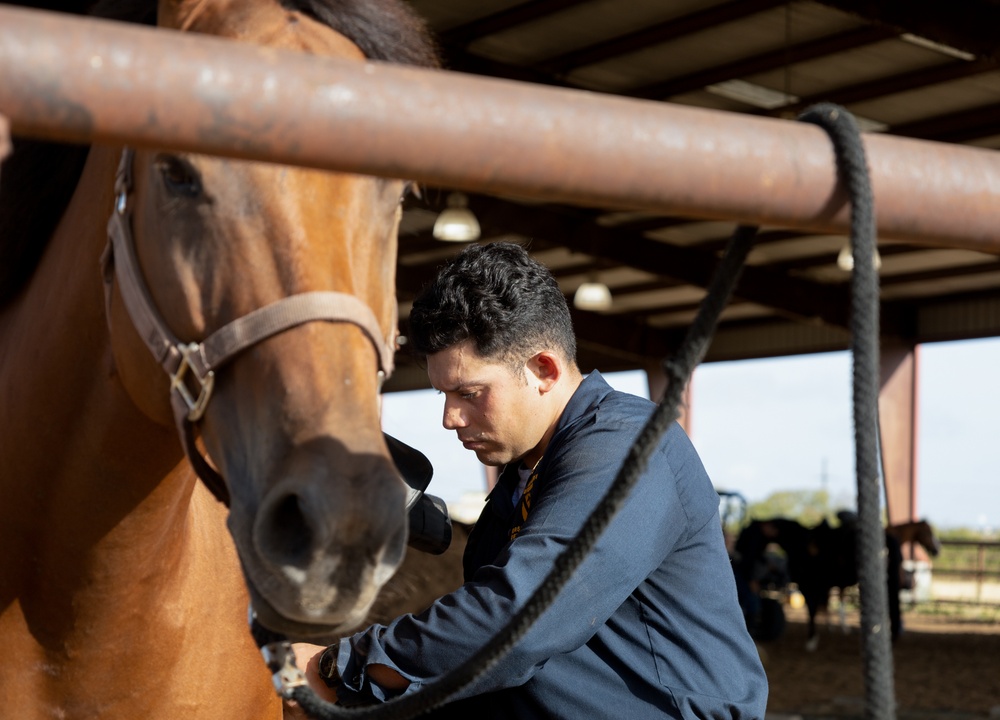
{"x":491,"y":458}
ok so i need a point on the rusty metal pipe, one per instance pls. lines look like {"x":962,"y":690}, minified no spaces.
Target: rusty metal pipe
{"x":79,"y":79}
{"x":4,"y":137}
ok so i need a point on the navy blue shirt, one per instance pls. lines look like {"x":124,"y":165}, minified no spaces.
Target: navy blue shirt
{"x":648,"y":627}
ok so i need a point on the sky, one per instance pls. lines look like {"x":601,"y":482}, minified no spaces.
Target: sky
{"x":763,"y":426}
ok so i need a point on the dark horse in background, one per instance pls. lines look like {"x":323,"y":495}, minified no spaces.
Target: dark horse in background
{"x":818,"y":559}
{"x":122,"y":592}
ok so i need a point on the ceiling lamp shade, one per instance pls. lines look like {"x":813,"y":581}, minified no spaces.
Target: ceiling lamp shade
{"x":592,"y":295}
{"x":456,"y":223}
{"x":845,"y":259}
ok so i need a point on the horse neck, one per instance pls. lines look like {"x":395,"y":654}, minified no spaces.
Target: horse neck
{"x":79,"y":458}
{"x":117,"y":568}
{"x":908,"y":531}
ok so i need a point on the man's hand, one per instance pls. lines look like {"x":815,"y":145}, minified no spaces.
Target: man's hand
{"x":307,"y":658}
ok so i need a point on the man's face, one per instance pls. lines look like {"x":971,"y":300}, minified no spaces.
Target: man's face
{"x":496,"y":412}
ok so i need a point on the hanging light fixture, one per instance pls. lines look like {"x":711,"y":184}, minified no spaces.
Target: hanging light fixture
{"x":845,"y":259}
{"x":456,"y":223}
{"x":592,"y":295}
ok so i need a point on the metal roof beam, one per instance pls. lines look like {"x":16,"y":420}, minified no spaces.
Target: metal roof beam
{"x":782,"y":57}
{"x":792,"y":296}
{"x":914,"y":80}
{"x":657,"y":34}
{"x":465,"y":62}
{"x":463,"y":35}
{"x":969,"y":25}
{"x":978,"y":122}
{"x":944,"y":273}
{"x":622,"y":339}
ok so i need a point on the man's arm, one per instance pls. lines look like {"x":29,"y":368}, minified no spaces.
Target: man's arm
{"x":424,"y":647}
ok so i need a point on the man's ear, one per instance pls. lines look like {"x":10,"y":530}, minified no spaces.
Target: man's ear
{"x":545,"y":368}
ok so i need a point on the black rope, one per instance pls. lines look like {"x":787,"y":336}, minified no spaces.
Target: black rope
{"x":870,"y":547}
{"x":864,"y":326}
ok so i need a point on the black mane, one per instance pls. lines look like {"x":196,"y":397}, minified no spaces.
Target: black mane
{"x":387,"y":30}
{"x":38,"y":178}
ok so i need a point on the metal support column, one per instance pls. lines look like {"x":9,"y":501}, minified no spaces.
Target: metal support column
{"x":656,"y":381}
{"x":898,"y":429}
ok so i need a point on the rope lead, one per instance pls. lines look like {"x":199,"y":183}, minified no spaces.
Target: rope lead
{"x":880,"y":701}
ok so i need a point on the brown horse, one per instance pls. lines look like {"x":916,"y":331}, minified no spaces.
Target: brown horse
{"x":919,"y":532}
{"x":121,"y":595}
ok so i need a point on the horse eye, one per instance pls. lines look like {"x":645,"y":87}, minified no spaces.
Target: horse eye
{"x":178,"y":175}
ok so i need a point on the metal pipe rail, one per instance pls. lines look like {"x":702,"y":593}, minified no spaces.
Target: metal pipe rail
{"x":4,"y":137}
{"x":85,"y":80}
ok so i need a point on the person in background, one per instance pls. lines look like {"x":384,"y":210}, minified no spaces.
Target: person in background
{"x":649,"y":625}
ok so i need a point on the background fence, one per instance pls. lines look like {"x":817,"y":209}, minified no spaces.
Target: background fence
{"x":966,"y":572}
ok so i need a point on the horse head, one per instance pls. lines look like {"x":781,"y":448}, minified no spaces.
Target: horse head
{"x":926,"y":536}
{"x":288,"y":410}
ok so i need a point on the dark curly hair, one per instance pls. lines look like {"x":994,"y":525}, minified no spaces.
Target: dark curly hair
{"x":496,"y":295}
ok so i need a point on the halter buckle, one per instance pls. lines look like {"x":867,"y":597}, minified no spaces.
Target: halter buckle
{"x":280,"y":660}
{"x":178,"y":384}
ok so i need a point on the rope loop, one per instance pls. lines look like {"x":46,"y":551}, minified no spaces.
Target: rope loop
{"x":840,"y":125}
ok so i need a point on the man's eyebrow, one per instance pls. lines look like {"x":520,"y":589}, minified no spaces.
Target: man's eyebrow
{"x":464,"y":385}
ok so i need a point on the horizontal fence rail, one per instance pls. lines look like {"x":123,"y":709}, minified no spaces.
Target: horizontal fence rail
{"x":83,"y":80}
{"x":978,"y":566}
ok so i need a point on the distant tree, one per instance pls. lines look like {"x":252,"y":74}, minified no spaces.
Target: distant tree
{"x":965,"y":533}
{"x":808,"y":507}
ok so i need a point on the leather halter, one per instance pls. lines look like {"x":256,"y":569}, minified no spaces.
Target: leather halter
{"x":194,"y":364}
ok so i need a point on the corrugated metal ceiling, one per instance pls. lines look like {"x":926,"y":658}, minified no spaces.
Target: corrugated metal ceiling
{"x":930,"y":72}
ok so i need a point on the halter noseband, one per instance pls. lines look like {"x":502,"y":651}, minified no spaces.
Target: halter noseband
{"x":195,"y":363}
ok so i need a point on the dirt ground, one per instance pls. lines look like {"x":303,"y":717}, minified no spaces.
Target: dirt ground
{"x":942,"y":669}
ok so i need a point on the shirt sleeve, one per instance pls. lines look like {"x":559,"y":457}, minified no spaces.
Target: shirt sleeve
{"x":425,"y":647}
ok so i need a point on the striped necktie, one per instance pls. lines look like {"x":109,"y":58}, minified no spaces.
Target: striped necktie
{"x":524,"y":507}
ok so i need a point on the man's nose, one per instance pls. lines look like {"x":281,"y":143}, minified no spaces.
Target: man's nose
{"x":453,"y":418}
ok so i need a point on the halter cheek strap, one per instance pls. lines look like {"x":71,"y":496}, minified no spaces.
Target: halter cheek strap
{"x":192,"y":366}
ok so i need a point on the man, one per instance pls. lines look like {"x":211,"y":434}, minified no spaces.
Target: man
{"x":649,"y":625}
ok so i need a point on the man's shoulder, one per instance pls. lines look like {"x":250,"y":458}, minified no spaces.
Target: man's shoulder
{"x":615,"y":406}
{"x":598,"y":412}
{"x":595,"y":393}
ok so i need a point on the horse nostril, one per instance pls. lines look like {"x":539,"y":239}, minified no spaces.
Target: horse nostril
{"x":286,"y":536}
